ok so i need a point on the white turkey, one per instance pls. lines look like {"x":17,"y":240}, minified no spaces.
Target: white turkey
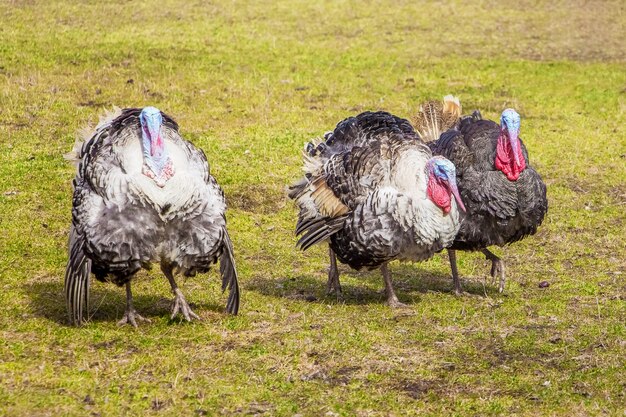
{"x":504,"y":195}
{"x":375,"y":193}
{"x":143,"y":195}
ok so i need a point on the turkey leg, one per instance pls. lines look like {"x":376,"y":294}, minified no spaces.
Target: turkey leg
{"x":455,"y":272}
{"x":180,"y":304}
{"x":392,"y":299}
{"x":130,"y":316}
{"x":333,"y":285}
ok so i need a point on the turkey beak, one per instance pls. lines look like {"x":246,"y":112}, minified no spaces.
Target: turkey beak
{"x":515,"y":146}
{"x":457,"y":196}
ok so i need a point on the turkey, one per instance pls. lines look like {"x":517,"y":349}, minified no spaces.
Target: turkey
{"x":375,"y":193}
{"x":143,"y":194}
{"x":505,"y":197}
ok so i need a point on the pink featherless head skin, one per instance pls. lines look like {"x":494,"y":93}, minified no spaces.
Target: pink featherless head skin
{"x":442,"y":183}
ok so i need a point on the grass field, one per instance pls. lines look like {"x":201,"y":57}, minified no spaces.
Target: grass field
{"x":250,"y":82}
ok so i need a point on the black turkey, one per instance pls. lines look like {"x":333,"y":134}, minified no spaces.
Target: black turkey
{"x":375,"y":193}
{"x":504,"y":196}
{"x":143,"y":194}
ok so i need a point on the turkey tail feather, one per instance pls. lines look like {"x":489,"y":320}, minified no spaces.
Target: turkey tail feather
{"x":320,"y":230}
{"x":229,"y":276}
{"x":304,"y":224}
{"x":433,"y":117}
{"x":452,"y":106}
{"x":77,"y":280}
{"x":297,"y":189}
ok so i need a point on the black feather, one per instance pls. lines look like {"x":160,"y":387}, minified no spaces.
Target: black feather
{"x":320,"y":231}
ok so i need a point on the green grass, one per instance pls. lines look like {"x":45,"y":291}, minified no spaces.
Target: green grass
{"x":250,"y":83}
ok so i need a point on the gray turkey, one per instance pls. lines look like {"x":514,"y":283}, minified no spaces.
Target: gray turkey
{"x":375,"y":193}
{"x":143,"y":194}
{"x":504,"y":196}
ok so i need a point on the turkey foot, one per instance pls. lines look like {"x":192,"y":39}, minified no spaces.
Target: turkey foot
{"x":497,"y":268}
{"x":131,"y":317}
{"x":181,"y":306}
{"x":394,"y":303}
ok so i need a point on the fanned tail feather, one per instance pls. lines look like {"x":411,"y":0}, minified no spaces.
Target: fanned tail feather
{"x":452,"y":106}
{"x":77,"y":280}
{"x":433,"y":117}
{"x":428,"y":121}
{"x":229,"y":276}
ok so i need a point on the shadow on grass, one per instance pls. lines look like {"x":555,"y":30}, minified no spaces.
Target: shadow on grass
{"x":409,"y":281}
{"x":106,"y":304}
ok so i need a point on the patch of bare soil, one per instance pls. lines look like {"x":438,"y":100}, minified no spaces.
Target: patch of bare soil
{"x":618,"y":193}
{"x":414,"y":388}
{"x":258,"y":198}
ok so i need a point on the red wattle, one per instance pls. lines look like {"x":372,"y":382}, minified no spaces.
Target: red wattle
{"x":505,"y":161}
{"x":439,"y":194}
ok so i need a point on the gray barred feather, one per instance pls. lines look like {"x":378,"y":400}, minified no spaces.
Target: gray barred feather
{"x":229,"y":275}
{"x":77,"y":279}
{"x":357,"y":131}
